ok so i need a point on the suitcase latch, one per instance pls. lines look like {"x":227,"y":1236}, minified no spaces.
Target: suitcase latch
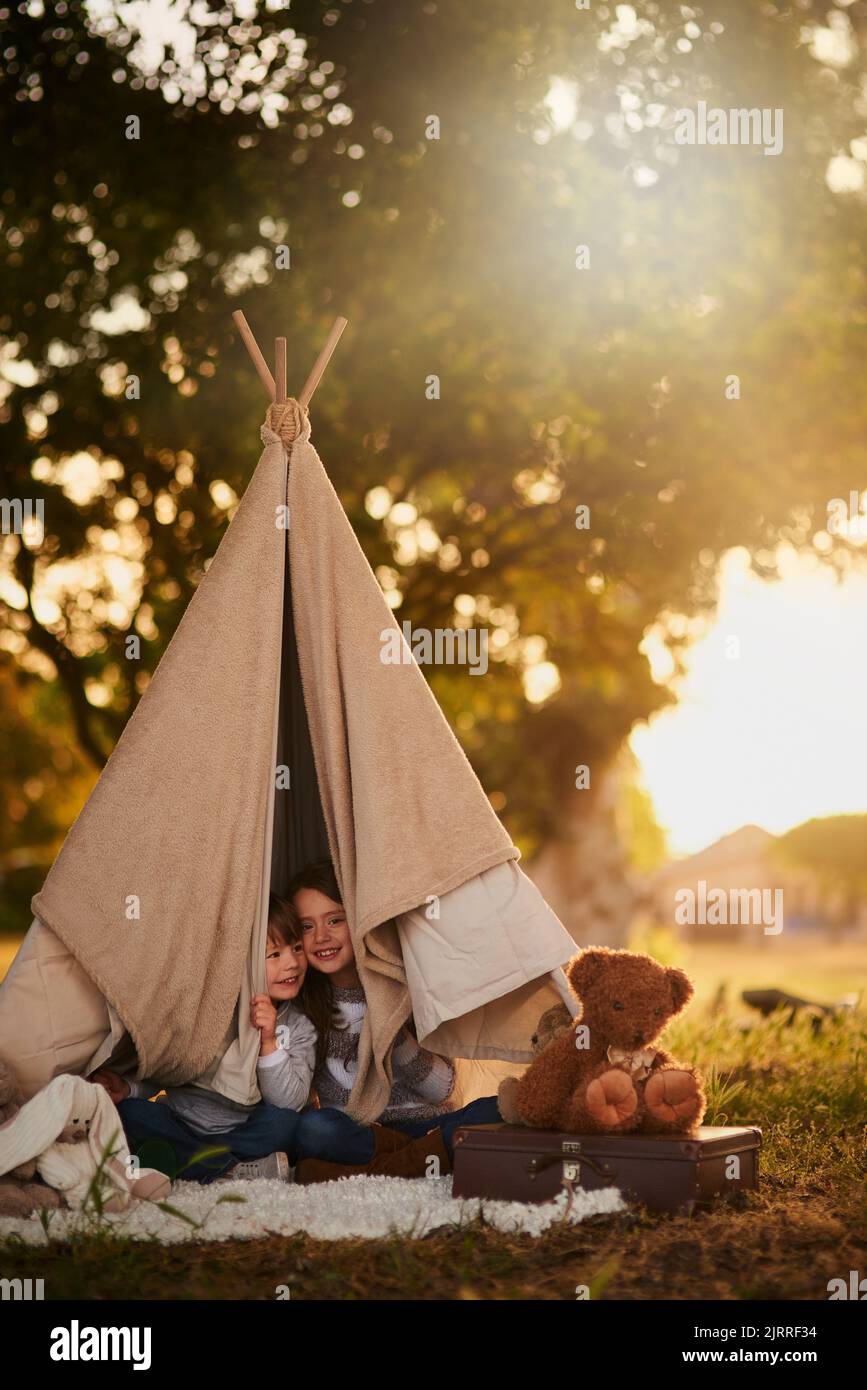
{"x":571,"y":1166}
{"x":571,"y":1177}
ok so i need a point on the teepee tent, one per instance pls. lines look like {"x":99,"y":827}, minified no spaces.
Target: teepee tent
{"x":148,"y":937}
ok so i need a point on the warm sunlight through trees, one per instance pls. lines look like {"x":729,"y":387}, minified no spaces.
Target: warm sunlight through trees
{"x":697,"y":385}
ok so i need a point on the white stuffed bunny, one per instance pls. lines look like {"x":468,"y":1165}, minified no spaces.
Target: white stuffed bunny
{"x":73,"y":1130}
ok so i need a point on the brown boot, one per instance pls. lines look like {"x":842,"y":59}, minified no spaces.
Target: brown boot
{"x":311,"y":1170}
{"x":386,"y":1142}
{"x":413,"y":1161}
{"x":409,"y":1161}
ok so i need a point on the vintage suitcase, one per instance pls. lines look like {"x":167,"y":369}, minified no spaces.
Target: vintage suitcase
{"x":667,"y":1172}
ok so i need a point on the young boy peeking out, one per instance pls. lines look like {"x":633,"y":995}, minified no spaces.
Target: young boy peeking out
{"x":253,"y":1139}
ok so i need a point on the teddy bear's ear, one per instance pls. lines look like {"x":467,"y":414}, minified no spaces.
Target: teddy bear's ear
{"x":681,"y":988}
{"x":584,"y":969}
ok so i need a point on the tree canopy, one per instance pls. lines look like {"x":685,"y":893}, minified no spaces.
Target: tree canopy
{"x":430,"y":169}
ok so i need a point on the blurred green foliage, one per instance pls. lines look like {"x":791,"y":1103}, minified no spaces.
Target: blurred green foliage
{"x":455,"y":257}
{"x":834,"y":848}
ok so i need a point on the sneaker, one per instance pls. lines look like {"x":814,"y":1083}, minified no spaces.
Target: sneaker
{"x":274,"y":1166}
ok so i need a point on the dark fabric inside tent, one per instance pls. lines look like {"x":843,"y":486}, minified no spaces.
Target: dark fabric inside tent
{"x":300,"y":836}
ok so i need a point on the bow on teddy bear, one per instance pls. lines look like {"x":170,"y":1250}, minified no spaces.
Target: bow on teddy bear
{"x":67,"y":1133}
{"x":603,"y":1072}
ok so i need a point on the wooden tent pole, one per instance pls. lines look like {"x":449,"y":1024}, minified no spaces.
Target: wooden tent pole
{"x":321,"y":362}
{"x":280,"y":370}
{"x":252,"y":347}
{"x":275,"y":387}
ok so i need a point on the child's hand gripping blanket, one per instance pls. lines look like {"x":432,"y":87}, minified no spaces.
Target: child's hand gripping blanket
{"x":287,"y":1049}
{"x":73,"y":1131}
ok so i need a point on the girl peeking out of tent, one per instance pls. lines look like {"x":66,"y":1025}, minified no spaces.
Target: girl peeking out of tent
{"x":418,"y":1122}
{"x":201,"y":1135}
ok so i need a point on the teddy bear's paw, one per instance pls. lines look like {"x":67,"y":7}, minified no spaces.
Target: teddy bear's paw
{"x":507,"y":1100}
{"x":673,"y":1098}
{"x":611,"y":1099}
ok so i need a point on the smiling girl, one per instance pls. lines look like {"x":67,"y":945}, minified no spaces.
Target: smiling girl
{"x":419,"y":1118}
{"x":254,"y":1139}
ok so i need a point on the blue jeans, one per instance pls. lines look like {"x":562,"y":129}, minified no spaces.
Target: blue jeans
{"x":163,"y":1141}
{"x":331,"y":1134}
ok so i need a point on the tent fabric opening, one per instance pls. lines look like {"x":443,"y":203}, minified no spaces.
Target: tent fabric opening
{"x":299,"y":836}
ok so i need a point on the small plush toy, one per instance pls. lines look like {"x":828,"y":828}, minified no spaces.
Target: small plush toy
{"x":553,"y":1022}
{"x":74,"y":1133}
{"x":606,"y":1073}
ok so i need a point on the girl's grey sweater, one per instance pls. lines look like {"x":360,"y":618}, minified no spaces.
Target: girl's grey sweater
{"x":422,"y":1081}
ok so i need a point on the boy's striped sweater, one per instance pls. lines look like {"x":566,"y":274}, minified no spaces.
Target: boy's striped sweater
{"x":422,"y":1080}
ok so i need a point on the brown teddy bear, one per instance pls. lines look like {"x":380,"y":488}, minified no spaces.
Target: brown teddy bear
{"x":21,"y":1193}
{"x":606,"y":1074}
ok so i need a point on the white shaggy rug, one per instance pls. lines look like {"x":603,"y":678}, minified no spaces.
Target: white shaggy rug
{"x":366,"y":1207}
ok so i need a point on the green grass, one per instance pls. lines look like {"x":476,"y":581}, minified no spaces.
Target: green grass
{"x":805,"y":1225}
{"x":813,"y":966}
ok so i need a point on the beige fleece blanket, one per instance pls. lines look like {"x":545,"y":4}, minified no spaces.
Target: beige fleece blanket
{"x":406,"y":815}
{"x":157,"y":887}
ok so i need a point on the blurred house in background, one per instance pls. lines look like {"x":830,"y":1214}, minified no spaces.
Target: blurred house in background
{"x":745,"y":860}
